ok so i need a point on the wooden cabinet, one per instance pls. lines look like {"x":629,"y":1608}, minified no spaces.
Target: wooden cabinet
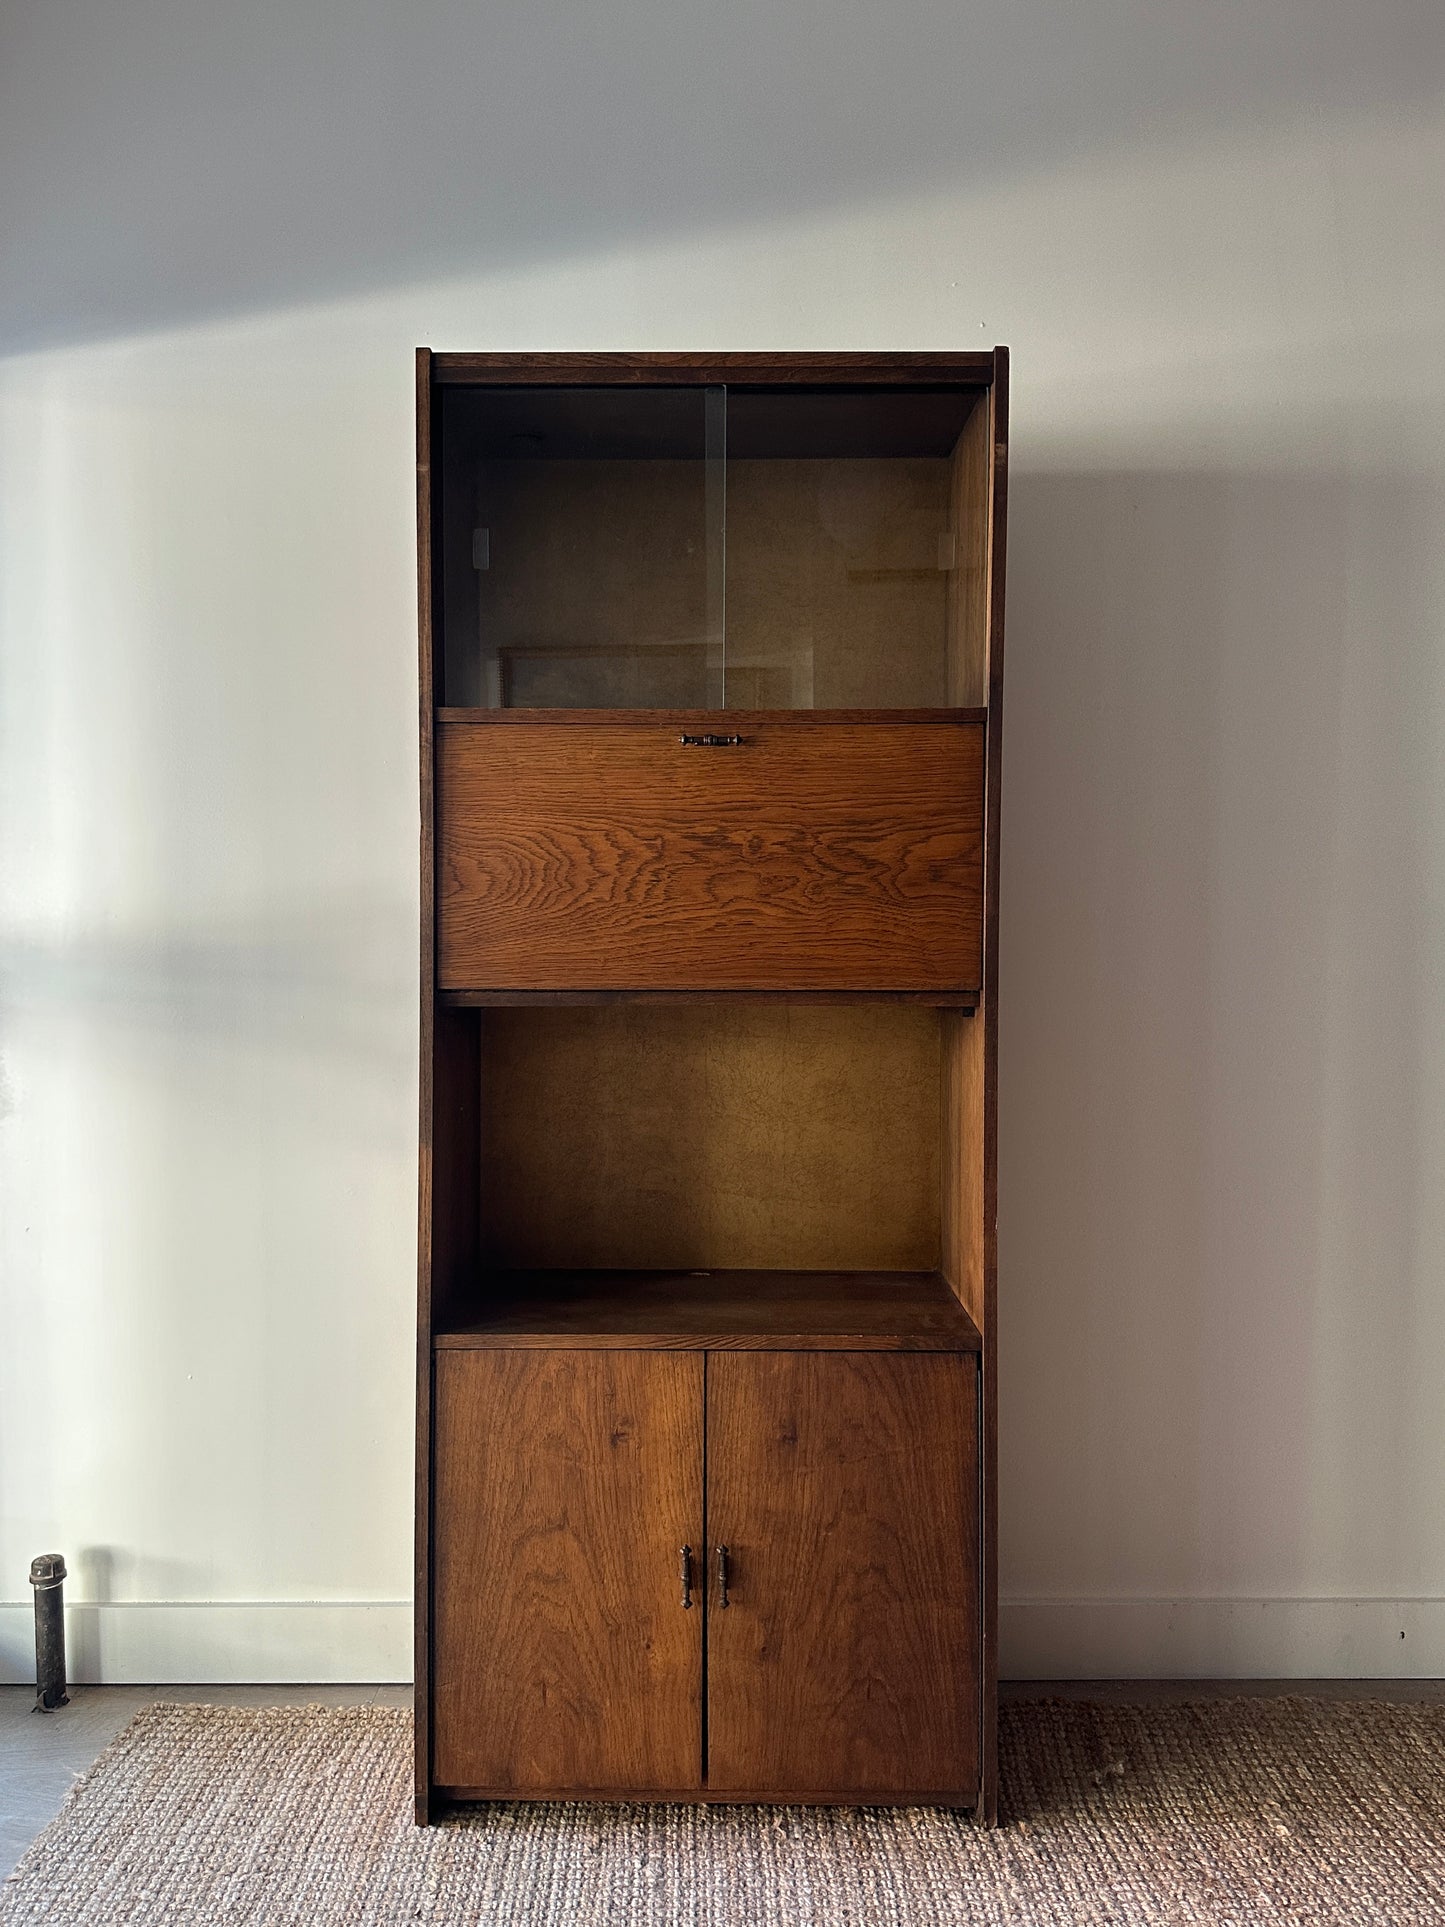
{"x":711,"y":702}
{"x":821,"y":1549}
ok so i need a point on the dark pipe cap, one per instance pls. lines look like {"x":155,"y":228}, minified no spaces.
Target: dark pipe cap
{"x":48,"y":1569}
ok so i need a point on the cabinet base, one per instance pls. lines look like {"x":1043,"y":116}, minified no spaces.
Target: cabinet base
{"x":445,"y":1796}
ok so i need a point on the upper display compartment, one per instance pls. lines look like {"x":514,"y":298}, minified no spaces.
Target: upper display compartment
{"x":710,"y":547}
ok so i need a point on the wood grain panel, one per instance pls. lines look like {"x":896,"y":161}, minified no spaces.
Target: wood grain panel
{"x":845,"y":1489}
{"x":766,"y":1138}
{"x":807,"y":857}
{"x":566,"y":1483}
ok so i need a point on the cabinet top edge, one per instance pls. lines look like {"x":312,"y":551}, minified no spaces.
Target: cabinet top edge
{"x":968,"y":369}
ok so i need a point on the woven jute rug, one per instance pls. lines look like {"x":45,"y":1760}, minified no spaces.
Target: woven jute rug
{"x":1229,"y":1811}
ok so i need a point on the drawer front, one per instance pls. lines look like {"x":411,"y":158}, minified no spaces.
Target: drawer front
{"x":810,"y":856}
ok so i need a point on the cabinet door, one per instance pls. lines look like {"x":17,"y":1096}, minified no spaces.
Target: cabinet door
{"x":565,"y":1484}
{"x":844,"y":1486}
{"x":794,"y":854}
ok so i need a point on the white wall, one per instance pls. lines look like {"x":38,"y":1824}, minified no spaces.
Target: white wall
{"x":1223,"y":1045}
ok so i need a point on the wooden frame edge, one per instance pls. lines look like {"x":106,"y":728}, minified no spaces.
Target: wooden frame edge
{"x":988,"y":1442}
{"x":963,"y":368}
{"x":711,"y":1797}
{"x":426,"y":567}
{"x":960,"y":716}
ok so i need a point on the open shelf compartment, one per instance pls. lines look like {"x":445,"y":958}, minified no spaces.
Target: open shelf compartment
{"x":767,"y":1176}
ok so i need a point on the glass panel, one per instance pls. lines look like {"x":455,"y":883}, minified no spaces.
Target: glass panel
{"x":848,"y":554}
{"x":710,"y":548}
{"x":583,"y":548}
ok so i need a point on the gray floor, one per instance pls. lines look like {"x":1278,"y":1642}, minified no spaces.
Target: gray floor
{"x":41,"y":1753}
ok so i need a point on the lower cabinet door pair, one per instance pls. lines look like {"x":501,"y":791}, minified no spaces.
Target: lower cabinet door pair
{"x":589,"y":1637}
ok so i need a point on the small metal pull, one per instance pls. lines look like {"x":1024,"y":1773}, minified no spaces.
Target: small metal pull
{"x":722,"y":1575}
{"x":684,"y":1561}
{"x":710,"y":742}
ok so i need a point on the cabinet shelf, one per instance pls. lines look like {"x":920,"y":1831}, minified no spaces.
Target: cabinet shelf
{"x":713,"y":1310}
{"x":701,"y":718}
{"x":543,"y":999}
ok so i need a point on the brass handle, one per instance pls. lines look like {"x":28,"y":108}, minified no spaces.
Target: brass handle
{"x":684,"y":1560}
{"x":710,"y":742}
{"x":722,"y":1575}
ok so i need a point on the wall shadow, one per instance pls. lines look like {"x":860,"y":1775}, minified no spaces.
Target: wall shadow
{"x":1217,"y":1252}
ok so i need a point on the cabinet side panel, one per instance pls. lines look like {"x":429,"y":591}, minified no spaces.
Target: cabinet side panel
{"x":448,"y":1142}
{"x":988,"y":1016}
{"x":426,"y":698}
{"x":963,"y":1136}
{"x":968,"y":580}
{"x":970,"y":1039}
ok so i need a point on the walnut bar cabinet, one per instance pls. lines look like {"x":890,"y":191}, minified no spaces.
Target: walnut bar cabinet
{"x":711,"y":698}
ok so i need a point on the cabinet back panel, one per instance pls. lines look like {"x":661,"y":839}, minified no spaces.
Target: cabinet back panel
{"x":781,"y":1137}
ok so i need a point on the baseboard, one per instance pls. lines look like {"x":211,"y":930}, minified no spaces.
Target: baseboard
{"x":1106,"y":1638}
{"x":223,"y":1643}
{"x":344,"y":1642}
